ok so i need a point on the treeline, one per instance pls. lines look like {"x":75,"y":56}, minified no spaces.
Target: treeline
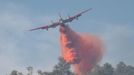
{"x":63,"y":68}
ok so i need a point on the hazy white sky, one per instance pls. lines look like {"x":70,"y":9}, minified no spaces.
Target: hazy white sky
{"x":111,"y":20}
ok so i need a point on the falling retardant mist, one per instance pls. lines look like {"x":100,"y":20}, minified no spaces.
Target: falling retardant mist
{"x":83,"y":51}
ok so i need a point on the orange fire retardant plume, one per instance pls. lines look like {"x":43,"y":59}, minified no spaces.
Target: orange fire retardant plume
{"x":83,"y":51}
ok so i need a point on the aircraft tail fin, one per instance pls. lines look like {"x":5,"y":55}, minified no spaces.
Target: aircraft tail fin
{"x":60,"y":17}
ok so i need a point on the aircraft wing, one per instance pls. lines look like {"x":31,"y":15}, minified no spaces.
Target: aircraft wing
{"x":53,"y":25}
{"x":43,"y":27}
{"x":79,"y":14}
{"x":85,"y":11}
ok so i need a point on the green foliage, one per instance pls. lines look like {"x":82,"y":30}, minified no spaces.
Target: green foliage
{"x":123,"y":69}
{"x":63,"y":68}
{"x":14,"y":72}
{"x":107,"y":69}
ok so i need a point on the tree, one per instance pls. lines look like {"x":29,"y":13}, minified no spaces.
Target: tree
{"x":30,"y":70}
{"x":108,"y":69}
{"x":40,"y":72}
{"x":97,"y":70}
{"x":130,"y":70}
{"x":14,"y":72}
{"x":20,"y":73}
{"x":121,"y":69}
{"x":62,"y":68}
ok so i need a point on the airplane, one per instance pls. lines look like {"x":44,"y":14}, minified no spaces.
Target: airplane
{"x":62,"y":21}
